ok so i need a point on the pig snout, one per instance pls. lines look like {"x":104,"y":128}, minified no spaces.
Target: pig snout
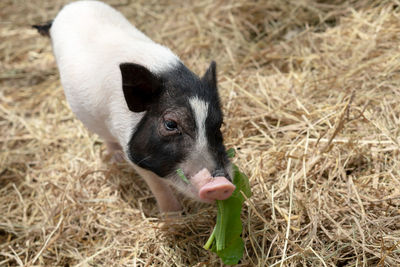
{"x":218,"y":189}
{"x":212,"y":188}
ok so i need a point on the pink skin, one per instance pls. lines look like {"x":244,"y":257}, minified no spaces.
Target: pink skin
{"x":212,"y":188}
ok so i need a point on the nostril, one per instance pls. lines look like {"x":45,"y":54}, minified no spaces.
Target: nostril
{"x":210,"y":192}
{"x":219,"y":194}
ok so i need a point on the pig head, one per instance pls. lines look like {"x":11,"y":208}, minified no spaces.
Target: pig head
{"x":180,"y":130}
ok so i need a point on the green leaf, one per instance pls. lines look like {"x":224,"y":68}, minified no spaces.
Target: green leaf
{"x":241,"y":181}
{"x":225,"y":239}
{"x":231,"y":152}
{"x":232,"y":254}
{"x":182,"y":176}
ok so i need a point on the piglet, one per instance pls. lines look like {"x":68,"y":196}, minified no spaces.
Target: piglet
{"x":143,"y":101}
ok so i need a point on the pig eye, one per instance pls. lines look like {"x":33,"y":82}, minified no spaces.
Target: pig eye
{"x":170,"y":125}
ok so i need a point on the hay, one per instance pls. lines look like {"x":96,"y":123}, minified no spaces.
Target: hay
{"x":310,"y":91}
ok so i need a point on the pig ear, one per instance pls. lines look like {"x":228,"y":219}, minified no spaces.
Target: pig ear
{"x":211,"y":75}
{"x":139,"y":85}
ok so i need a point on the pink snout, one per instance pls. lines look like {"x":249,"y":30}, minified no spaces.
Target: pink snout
{"x":211,"y":188}
{"x":219,"y":188}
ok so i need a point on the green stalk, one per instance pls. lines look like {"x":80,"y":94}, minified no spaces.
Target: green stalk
{"x":221,"y":224}
{"x":182,"y":176}
{"x":210,"y":239}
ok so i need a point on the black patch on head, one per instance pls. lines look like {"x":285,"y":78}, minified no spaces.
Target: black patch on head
{"x":213,"y":124}
{"x":214,"y":135}
{"x":150,"y":147}
{"x":153,"y":152}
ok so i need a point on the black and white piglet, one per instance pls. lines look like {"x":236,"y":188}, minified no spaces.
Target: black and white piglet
{"x":142,"y":100}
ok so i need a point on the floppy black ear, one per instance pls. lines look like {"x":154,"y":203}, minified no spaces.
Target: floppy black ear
{"x":139,"y":85}
{"x":211,"y":74}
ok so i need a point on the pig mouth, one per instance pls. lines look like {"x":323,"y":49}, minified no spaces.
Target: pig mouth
{"x":209,"y":188}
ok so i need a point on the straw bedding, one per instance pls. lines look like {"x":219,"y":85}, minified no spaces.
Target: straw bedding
{"x":310,"y":92}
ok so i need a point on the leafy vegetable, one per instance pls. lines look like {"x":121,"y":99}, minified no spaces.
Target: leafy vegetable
{"x":231,"y":152}
{"x":225,"y":239}
{"x":182,"y":176}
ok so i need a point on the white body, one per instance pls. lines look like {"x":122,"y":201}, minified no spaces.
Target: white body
{"x":90,"y":39}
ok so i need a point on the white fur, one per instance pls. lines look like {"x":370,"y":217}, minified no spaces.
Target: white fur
{"x":90,"y":39}
{"x":200,"y":157}
{"x":200,"y":109}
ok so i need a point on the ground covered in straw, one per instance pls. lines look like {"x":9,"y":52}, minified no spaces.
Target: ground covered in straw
{"x":310,"y":92}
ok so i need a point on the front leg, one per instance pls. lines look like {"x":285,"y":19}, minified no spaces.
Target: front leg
{"x":115,"y":152}
{"x":166,"y":200}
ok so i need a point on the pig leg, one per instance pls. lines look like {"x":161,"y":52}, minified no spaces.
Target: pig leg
{"x":115,"y":151}
{"x":166,"y":200}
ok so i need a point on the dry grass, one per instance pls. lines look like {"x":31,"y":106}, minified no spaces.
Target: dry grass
{"x":310,"y":91}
